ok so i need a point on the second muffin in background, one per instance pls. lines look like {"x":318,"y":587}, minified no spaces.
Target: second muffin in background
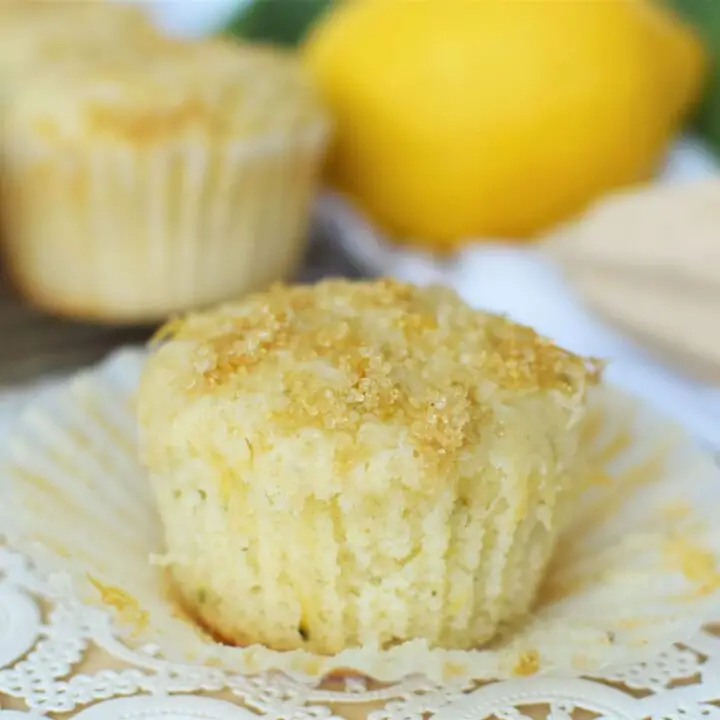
{"x":135,"y":185}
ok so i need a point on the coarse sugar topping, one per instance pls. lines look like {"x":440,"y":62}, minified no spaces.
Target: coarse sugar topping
{"x":343,"y":351}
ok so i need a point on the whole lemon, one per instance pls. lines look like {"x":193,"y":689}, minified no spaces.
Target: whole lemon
{"x":496,"y":118}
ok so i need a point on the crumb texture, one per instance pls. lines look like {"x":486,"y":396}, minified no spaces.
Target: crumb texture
{"x":360,"y":463}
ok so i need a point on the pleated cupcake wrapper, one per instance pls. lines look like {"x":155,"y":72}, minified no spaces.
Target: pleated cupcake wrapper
{"x":635,"y":572}
{"x":124,"y":232}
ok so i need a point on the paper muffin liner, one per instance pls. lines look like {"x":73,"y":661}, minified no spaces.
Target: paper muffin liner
{"x":131,"y":233}
{"x":635,"y":572}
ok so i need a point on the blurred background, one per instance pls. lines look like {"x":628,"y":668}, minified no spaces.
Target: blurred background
{"x":558,"y":162}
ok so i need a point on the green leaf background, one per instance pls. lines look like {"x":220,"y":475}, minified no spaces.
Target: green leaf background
{"x":705,"y":16}
{"x":280,"y":21}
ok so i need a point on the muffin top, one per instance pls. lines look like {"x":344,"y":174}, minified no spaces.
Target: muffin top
{"x":337,"y":354}
{"x":36,"y":32}
{"x":171,"y":90}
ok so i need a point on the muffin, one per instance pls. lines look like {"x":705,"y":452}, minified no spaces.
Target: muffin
{"x":360,"y":464}
{"x":138,"y":184}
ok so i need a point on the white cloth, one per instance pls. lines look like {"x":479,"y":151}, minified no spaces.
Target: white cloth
{"x":527,"y":288}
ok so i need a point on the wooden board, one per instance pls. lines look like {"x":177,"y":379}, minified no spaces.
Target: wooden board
{"x":34,"y":344}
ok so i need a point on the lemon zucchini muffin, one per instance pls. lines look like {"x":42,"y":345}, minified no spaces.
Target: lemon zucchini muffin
{"x":359,"y":464}
{"x":137,"y":184}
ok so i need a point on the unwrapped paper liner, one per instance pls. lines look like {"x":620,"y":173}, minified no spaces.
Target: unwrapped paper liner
{"x":635,"y":572}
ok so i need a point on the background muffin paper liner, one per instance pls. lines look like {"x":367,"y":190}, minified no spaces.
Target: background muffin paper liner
{"x":635,"y":572}
{"x":206,"y":223}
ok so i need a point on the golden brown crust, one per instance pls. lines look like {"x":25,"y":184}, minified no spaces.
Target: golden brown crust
{"x":395,"y":352}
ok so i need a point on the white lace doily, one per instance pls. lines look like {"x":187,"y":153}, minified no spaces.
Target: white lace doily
{"x":58,"y":656}
{"x":43,"y":646}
